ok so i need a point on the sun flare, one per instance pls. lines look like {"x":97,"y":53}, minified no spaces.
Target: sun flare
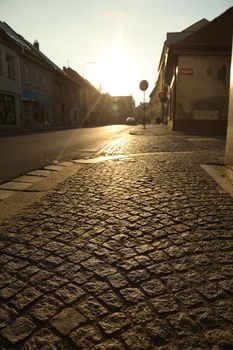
{"x":116,"y":72}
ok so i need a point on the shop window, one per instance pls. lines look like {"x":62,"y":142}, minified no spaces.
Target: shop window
{"x":42,"y":115}
{"x":10,"y":67}
{"x":37,"y":112}
{"x":7,"y":110}
{"x":26,"y":109}
{"x":26,"y":112}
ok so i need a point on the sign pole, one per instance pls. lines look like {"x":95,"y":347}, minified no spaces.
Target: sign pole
{"x":144,"y":114}
{"x":143,"y":86}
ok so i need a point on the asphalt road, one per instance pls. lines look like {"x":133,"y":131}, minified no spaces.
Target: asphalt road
{"x":23,"y":153}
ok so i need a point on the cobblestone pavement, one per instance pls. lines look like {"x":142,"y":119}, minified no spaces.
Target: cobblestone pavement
{"x":133,"y":253}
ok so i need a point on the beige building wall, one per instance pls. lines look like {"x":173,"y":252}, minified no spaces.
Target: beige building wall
{"x":202,"y":87}
{"x":229,"y":141}
{"x":155,"y":103}
{"x":155,"y":107}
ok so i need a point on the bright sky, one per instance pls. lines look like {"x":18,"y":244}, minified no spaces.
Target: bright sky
{"x":113,"y":43}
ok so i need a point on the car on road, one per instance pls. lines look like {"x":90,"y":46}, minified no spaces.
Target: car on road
{"x":131,"y":121}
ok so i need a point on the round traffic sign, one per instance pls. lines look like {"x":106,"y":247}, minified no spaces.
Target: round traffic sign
{"x":143,"y":85}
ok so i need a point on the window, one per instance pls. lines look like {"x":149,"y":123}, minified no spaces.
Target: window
{"x":26,"y":74}
{"x":37,"y":81}
{"x":57,"y":89}
{"x":26,"y":109}
{"x":37,"y":78}
{"x":10,"y":67}
{"x":44,"y":81}
{"x":7,"y":110}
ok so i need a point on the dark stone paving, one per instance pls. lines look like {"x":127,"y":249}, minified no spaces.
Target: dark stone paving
{"x":127,"y":254}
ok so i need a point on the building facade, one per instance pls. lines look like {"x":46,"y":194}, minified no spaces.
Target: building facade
{"x":89,"y":100}
{"x":37,"y":96}
{"x":196,"y":74}
{"x":65,"y":100}
{"x":156,"y":107}
{"x":160,"y":99}
{"x":10,"y":83}
{"x":28,"y":75}
{"x":202,"y":86}
{"x":35,"y":92}
{"x":201,"y":75}
{"x":122,"y":108}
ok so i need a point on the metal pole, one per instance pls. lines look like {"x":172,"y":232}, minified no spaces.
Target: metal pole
{"x":143,"y":86}
{"x":144,"y":114}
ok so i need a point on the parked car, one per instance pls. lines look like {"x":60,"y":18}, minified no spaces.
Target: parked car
{"x":131,"y":121}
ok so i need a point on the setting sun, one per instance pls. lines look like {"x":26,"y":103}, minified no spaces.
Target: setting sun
{"x":115,"y":72}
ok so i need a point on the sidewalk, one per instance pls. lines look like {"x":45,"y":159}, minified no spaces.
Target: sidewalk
{"x":20,"y":131}
{"x":129,"y":253}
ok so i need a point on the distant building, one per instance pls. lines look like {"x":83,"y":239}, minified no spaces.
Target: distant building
{"x":139,"y":113}
{"x":65,"y":100}
{"x":123,"y":107}
{"x":90,"y":100}
{"x":106,"y":110}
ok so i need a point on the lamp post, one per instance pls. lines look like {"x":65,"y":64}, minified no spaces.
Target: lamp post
{"x":84,"y":65}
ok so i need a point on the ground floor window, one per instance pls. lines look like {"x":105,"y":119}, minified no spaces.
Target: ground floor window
{"x":59,"y":113}
{"x":35,"y":113}
{"x":27,"y":106}
{"x":7,"y":110}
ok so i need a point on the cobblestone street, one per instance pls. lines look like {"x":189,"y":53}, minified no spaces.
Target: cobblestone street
{"x":129,"y":253}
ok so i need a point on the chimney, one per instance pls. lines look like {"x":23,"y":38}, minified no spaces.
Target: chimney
{"x":36,"y":44}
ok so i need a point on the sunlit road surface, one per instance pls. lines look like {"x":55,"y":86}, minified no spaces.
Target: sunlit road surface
{"x":24,"y":153}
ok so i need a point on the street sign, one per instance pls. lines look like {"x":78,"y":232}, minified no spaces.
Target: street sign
{"x":186,"y":71}
{"x":143,"y":85}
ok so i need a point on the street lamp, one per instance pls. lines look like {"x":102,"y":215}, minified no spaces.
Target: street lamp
{"x":84,"y":64}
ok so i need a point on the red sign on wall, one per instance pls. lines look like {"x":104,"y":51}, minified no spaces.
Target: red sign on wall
{"x":186,"y":71}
